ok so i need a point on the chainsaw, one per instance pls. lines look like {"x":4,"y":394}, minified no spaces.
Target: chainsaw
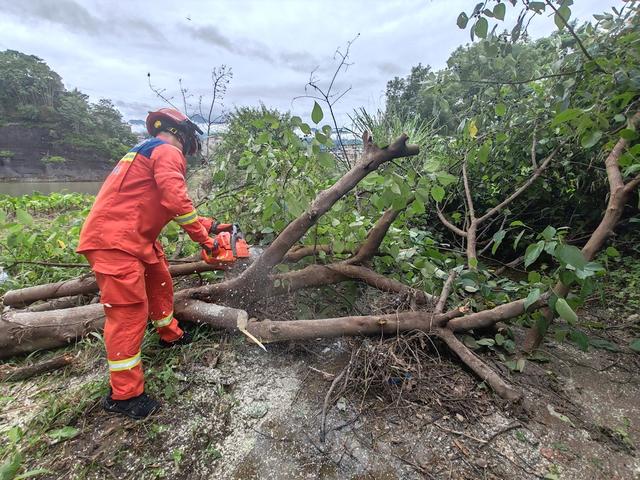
{"x":229,"y":245}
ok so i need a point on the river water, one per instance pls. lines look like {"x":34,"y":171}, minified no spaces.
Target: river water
{"x":23,"y":188}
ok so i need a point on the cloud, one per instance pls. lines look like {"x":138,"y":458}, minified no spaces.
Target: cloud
{"x":213,"y":36}
{"x":296,"y":61}
{"x":388,"y":68}
{"x":299,"y":61}
{"x":74,"y":17}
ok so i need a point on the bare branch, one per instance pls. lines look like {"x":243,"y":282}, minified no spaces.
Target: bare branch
{"x":522,"y":187}
{"x":446,"y":291}
{"x":478,"y":366}
{"x":632,"y":184}
{"x":534,"y":144}
{"x":448,"y":224}
{"x":467,"y":191}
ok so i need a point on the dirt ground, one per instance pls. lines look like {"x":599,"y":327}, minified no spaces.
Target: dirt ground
{"x":231,"y":410}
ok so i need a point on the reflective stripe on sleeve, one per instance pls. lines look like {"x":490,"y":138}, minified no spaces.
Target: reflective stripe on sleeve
{"x":187,"y":218}
{"x":125,"y":364}
{"x":163,"y":322}
{"x":129,"y":157}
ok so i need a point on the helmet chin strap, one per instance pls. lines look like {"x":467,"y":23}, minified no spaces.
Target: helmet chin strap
{"x":181,"y":137}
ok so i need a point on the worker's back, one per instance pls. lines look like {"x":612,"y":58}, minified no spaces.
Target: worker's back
{"x":131,"y":208}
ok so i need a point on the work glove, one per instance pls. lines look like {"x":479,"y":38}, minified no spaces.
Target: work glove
{"x":212,"y":226}
{"x":209,"y":249}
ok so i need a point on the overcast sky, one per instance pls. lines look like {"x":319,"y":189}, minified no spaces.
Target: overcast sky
{"x":106,"y":48}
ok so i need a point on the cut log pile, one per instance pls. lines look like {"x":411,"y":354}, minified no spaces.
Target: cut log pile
{"x":224,"y":304}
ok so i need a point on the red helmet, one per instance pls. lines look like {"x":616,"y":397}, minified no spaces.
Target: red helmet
{"x":177,"y":123}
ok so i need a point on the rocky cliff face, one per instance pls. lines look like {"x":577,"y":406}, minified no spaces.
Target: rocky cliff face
{"x":32,"y":153}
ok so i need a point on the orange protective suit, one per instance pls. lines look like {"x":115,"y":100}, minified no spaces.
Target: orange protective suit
{"x":144,"y":192}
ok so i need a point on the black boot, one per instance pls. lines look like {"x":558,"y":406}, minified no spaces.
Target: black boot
{"x":137,"y":407}
{"x":185,"y":339}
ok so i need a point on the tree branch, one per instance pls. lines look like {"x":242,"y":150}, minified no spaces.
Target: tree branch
{"x":448,"y":224}
{"x":522,"y":187}
{"x":467,"y":192}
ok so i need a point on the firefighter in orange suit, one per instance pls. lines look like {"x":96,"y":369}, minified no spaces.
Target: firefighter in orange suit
{"x":145,"y":191}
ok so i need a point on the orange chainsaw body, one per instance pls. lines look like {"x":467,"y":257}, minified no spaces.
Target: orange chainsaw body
{"x":229,"y":250}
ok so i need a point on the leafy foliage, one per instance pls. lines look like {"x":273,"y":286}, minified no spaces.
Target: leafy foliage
{"x":32,"y":93}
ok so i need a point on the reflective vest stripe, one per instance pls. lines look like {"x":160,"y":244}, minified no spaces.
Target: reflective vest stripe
{"x":187,"y":218}
{"x":163,"y":322}
{"x":125,"y":364}
{"x":129,"y":157}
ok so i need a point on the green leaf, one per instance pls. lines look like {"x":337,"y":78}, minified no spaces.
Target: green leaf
{"x":589,"y":139}
{"x":548,"y":233}
{"x":562,"y":17}
{"x":635,"y":345}
{"x":628,"y":134}
{"x":470,"y":342}
{"x":499,"y":339}
{"x":497,"y":240}
{"x":445,"y":178}
{"x":567,"y":277}
{"x":538,"y":7}
{"x":437,"y":192}
{"x":533,"y":252}
{"x":565,"y":311}
{"x":579,"y":339}
{"x":483,"y":152}
{"x":32,"y":473}
{"x":473,"y":262}
{"x":462,"y":21}
{"x":321,"y":138}
{"x":417,"y":207}
{"x":501,"y":108}
{"x":566,"y":115}
{"x":23,"y":217}
{"x":63,"y":433}
{"x":517,"y":240}
{"x":603,"y":344}
{"x":534,"y":296}
{"x":306,"y":129}
{"x":325,"y":159}
{"x":486,"y":342}
{"x":534,"y":277}
{"x":571,"y":255}
{"x":481,"y":27}
{"x":499,"y":10}
{"x":316,"y":113}
{"x":9,"y":468}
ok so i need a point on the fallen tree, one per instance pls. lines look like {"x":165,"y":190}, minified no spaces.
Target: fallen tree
{"x":224,"y":305}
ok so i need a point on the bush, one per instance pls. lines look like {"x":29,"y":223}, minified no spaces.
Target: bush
{"x":6,"y":154}
{"x":53,"y":159}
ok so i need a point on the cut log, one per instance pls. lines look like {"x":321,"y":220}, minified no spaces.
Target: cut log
{"x":85,"y":285}
{"x":26,"y":332}
{"x":14,"y":374}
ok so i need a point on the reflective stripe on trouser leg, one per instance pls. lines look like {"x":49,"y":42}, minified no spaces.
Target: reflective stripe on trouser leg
{"x":159,"y":288}
{"x":123,"y":334}
{"x":125,"y":364}
{"x":163,"y":322}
